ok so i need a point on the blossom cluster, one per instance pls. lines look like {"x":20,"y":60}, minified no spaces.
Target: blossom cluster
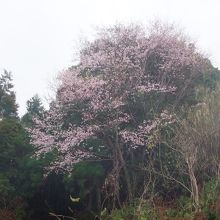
{"x":113,"y":70}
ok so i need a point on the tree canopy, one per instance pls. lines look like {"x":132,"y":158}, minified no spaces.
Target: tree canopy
{"x":107,"y":96}
{"x":134,"y":124}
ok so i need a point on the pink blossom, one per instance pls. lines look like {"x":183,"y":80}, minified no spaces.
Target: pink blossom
{"x":123,"y":62}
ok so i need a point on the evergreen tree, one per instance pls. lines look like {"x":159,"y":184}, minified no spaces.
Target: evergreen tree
{"x":8,"y":106}
{"x":20,"y":174}
{"x":34,"y":108}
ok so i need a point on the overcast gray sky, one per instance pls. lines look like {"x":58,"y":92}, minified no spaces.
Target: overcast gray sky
{"x":38,"y":37}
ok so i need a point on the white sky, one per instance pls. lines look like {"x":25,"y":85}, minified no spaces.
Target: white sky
{"x":38,"y":37}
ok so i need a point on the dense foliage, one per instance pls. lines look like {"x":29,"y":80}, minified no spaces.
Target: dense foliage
{"x":133,"y":132}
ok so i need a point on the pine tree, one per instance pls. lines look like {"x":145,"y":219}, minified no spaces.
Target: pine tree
{"x":8,"y":106}
{"x":34,"y":108}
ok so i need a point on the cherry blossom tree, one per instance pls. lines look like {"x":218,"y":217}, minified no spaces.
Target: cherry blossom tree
{"x":105,"y":102}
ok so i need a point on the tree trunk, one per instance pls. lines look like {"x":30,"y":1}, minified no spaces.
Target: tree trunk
{"x":98,"y":197}
{"x":127,"y":177}
{"x":194,"y":187}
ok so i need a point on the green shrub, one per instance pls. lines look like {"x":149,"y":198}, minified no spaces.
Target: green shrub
{"x":134,"y":212}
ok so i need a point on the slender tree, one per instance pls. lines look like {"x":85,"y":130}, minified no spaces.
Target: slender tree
{"x":8,"y":106}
